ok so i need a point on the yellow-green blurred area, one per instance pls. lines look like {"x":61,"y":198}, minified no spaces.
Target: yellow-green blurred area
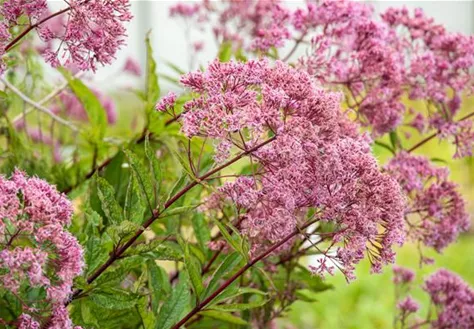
{"x":369,"y":301}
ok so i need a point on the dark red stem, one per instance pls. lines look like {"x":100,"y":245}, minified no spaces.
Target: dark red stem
{"x":234,"y":277}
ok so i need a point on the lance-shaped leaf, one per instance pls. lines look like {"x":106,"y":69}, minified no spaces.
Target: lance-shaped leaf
{"x":175,"y":306}
{"x":152,"y":88}
{"x":135,"y":206}
{"x":226,"y":267}
{"x":155,"y":167}
{"x":223,"y":316}
{"x":93,"y":107}
{"x":158,"y":283}
{"x":143,"y":176}
{"x":110,"y":206}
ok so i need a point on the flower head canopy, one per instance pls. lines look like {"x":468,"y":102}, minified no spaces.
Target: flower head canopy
{"x":316,"y":160}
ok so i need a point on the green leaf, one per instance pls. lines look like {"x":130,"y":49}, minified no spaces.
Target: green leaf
{"x":229,"y":263}
{"x":152,"y":88}
{"x":178,"y":210}
{"x":134,"y":204}
{"x":177,"y":186}
{"x":226,"y":317}
{"x":158,"y":283}
{"x":93,"y":107}
{"x":235,"y":292}
{"x":110,"y":206}
{"x":394,"y":140}
{"x":158,"y":251}
{"x":174,"y":306}
{"x":238,"y":306}
{"x":235,"y":241}
{"x":201,"y":230}
{"x":114,"y":299}
{"x":122,"y":231}
{"x":194,"y":271}
{"x":155,"y":166}
{"x":144,"y":179}
{"x":225,"y":51}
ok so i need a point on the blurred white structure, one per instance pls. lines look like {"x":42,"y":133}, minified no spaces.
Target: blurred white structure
{"x":169,"y":43}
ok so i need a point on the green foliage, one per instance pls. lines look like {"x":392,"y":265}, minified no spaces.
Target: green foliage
{"x":93,"y":107}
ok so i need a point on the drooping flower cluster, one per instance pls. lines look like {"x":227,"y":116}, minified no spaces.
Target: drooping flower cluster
{"x":435,"y":214}
{"x":316,"y":159}
{"x":453,"y":299}
{"x":256,"y":25}
{"x":85,"y":34}
{"x":36,"y":252}
{"x":375,"y":61}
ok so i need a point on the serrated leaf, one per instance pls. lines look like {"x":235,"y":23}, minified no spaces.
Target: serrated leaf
{"x":114,"y":299}
{"x":143,"y":177}
{"x":174,"y":306}
{"x":158,"y":283}
{"x":229,"y":263}
{"x":194,"y":271}
{"x":135,"y":206}
{"x":223,"y":316}
{"x":110,"y":206}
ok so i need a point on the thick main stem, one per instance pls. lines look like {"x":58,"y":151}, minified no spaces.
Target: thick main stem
{"x":120,"y":251}
{"x":234,"y":277}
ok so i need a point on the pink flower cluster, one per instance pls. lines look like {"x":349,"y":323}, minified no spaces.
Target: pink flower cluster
{"x":35,"y":249}
{"x":452,"y":298}
{"x":263,"y":22}
{"x":92,"y":33}
{"x":375,"y":61}
{"x":454,"y":301}
{"x":318,"y":160}
{"x":88,"y":33}
{"x":435,"y":213}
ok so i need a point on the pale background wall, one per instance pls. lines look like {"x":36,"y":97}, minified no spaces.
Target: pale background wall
{"x":169,"y":43}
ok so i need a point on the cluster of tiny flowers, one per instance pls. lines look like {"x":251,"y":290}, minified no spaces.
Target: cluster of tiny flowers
{"x":11,"y":11}
{"x":91,"y":33}
{"x":87,"y":33}
{"x":402,"y":275}
{"x":376,"y":61}
{"x":435,"y":212}
{"x":36,"y":251}
{"x":454,"y":300}
{"x":264,"y":22}
{"x":316,"y":160}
